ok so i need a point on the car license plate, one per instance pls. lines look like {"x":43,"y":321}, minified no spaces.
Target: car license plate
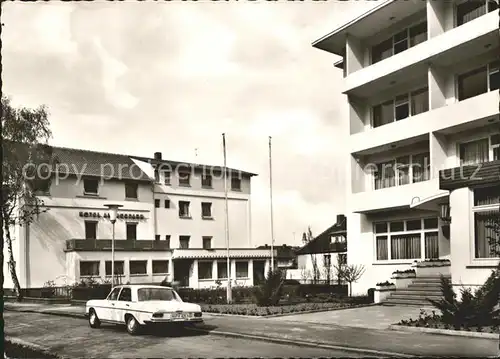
{"x":180,"y":316}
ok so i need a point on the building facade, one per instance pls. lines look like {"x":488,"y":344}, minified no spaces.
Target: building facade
{"x":171,"y":223}
{"x":422,"y":84}
{"x":318,"y":259}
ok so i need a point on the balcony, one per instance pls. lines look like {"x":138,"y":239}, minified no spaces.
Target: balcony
{"x":467,"y":176}
{"x":471,"y":113}
{"x":443,"y":49}
{"x":399,"y":197}
{"x":214,"y":253}
{"x":91,"y":245}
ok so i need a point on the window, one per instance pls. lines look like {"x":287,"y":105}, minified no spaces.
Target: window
{"x":114,"y":294}
{"x":90,"y":230}
{"x":138,"y":267}
{"x":89,"y":269}
{"x":421,"y":167}
{"x":131,"y":190}
{"x":167,"y":239}
{"x":131,"y":230}
{"x":342,"y":258}
{"x":408,"y":239}
{"x":40,"y":186}
{"x":494,"y":76}
{"x":419,"y":101}
{"x":221,"y":270}
{"x":493,"y":5}
{"x":486,"y":203}
{"x":474,"y":152}
{"x":400,"y":42}
{"x":91,"y":186}
{"x":235,"y":184}
{"x":119,"y":265}
{"x":470,"y":10}
{"x":205,"y":270}
{"x":157,"y":237}
{"x":166,"y":177}
{"x":184,"y":209}
{"x":327,"y":260}
{"x":157,"y":203}
{"x":207,"y":242}
{"x":184,"y":242}
{"x":479,"y":81}
{"x":242,"y":269}
{"x":382,"y":51}
{"x":156,"y":294}
{"x":125,"y":295}
{"x":184,"y":179}
{"x":160,"y":267}
{"x":157,"y":175}
{"x":401,"y":107}
{"x":206,"y":181}
{"x":206,"y":210}
{"x":167,"y":203}
{"x":403,"y":170}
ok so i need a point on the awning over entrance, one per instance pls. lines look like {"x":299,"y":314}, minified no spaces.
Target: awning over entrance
{"x":430,"y":203}
{"x":248,"y":253}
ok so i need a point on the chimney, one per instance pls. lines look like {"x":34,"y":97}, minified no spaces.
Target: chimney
{"x":157,"y":156}
{"x":340,"y":218}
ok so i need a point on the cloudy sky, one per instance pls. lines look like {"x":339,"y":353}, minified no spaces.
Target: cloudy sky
{"x":140,"y":77}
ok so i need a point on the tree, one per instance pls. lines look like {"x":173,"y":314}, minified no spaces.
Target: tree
{"x":307,"y":237}
{"x":339,"y":268}
{"x":26,"y":169}
{"x":352,"y":273}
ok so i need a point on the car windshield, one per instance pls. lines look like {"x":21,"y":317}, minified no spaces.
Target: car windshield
{"x":145,"y":294}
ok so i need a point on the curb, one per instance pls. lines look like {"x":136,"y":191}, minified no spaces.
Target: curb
{"x":457,"y":333}
{"x":50,"y":312}
{"x":310,"y":344}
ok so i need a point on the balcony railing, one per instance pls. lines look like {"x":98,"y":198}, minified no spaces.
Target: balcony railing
{"x":471,"y":175}
{"x":120,"y":245}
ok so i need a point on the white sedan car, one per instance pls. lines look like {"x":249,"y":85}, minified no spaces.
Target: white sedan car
{"x":139,"y":305}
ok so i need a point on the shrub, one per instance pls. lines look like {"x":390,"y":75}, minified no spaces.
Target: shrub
{"x":474,"y":309}
{"x":270,"y":291}
{"x":384,"y":284}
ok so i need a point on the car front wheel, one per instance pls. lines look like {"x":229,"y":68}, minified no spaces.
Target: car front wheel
{"x":133,"y":325}
{"x":94,"y":321}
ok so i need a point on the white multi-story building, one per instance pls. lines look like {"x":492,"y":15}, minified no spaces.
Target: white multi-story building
{"x":422,"y":83}
{"x":171,"y":223}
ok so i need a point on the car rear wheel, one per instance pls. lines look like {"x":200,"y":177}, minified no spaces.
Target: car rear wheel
{"x":133,"y":325}
{"x":94,"y":321}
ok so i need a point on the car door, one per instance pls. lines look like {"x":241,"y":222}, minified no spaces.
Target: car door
{"x":110,"y":305}
{"x":122,"y":305}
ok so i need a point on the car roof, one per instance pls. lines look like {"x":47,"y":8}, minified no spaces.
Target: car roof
{"x":140,"y":286}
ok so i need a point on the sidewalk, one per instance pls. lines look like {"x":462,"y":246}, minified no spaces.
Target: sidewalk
{"x":376,"y":342}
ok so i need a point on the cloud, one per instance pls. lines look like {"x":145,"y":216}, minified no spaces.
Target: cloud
{"x":172,"y":77}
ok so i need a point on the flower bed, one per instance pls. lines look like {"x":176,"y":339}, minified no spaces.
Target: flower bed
{"x":254,"y":310}
{"x":434,"y":321}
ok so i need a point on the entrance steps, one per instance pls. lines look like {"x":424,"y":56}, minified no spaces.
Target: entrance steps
{"x":417,"y":293}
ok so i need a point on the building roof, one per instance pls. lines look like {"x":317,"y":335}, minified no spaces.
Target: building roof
{"x":369,"y":23}
{"x":97,"y":164}
{"x":191,"y":166}
{"x":284,"y":251}
{"x":322,"y":243}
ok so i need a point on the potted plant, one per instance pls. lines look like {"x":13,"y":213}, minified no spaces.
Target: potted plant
{"x":383,"y":290}
{"x":432,"y":267}
{"x":403,"y":278}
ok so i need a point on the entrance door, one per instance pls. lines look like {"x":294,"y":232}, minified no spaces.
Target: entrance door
{"x":258,"y":272}
{"x":182,"y":271}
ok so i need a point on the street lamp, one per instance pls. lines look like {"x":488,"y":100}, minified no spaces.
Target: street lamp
{"x":113,"y":211}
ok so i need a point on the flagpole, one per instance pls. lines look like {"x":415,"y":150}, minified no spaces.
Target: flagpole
{"x":271,"y":203}
{"x":226,"y":223}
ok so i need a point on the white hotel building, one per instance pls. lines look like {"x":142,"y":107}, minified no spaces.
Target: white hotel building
{"x":171,"y":223}
{"x":421,"y":79}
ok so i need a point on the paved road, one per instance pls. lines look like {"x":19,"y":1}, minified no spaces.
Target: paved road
{"x":75,"y":339}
